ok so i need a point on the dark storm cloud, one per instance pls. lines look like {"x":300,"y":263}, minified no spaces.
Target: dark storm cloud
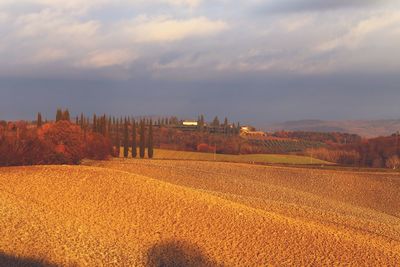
{"x":136,"y":57}
{"x":250,"y":99}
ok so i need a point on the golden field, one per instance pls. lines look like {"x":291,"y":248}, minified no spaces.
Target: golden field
{"x":179,"y":213}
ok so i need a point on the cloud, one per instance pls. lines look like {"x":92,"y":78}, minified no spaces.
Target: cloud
{"x":315,"y":5}
{"x":164,"y":29}
{"x":189,"y":3}
{"x":361,"y":31}
{"x":48,"y":23}
{"x":101,"y":59}
{"x":47,"y":55}
{"x":83,"y":7}
{"x":165,"y":38}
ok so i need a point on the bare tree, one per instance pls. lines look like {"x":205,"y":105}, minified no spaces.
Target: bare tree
{"x":393,"y":162}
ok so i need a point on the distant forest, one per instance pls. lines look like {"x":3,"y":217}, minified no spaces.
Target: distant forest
{"x":67,"y":140}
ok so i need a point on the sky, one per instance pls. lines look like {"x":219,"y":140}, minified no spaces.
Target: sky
{"x":250,"y":60}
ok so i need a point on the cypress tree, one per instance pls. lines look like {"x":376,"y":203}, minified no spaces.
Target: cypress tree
{"x":226,"y":125}
{"x":94,"y":123}
{"x":126,"y":139}
{"x":117,"y":141}
{"x":66,"y":116}
{"x":82,"y":121}
{"x":98,"y":125}
{"x":39,"y":120}
{"x":200,"y":123}
{"x":104,"y":125}
{"x":134,"y":145}
{"x":215,"y":122}
{"x":59,"y":115}
{"x":142,"y":145}
{"x":109,"y":127}
{"x":150,"y":148}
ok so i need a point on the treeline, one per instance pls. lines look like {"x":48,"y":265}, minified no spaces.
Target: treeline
{"x":176,"y":139}
{"x":378,"y":152}
{"x":65,"y":142}
{"x":123,"y":133}
{"x":323,"y":137}
{"x":51,"y":143}
{"x":215,"y":126}
{"x":68,"y":140}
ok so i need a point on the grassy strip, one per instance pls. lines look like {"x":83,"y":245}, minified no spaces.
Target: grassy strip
{"x":253,"y":158}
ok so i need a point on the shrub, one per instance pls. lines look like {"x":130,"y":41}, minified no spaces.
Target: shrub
{"x":98,"y":147}
{"x":53,"y":143}
{"x":393,"y":162}
{"x":246,"y":149}
{"x":335,"y":155}
{"x":66,"y":139}
{"x":27,"y":150}
{"x":203,"y":148}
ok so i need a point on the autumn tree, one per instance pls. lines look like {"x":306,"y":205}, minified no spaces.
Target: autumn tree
{"x":97,"y":146}
{"x":393,"y":162}
{"x":66,"y":140}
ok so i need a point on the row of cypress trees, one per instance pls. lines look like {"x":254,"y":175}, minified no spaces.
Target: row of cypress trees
{"x":113,"y":128}
{"x":130,"y":142}
{"x":123,"y":133}
{"x":62,"y":115}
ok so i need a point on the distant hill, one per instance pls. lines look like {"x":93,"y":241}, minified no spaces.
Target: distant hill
{"x":365,"y":128}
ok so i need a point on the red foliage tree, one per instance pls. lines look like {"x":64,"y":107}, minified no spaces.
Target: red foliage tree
{"x":66,"y":139}
{"x":97,"y":146}
{"x":203,"y":148}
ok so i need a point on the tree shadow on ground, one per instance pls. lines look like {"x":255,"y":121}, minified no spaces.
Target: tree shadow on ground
{"x":13,"y":261}
{"x":177,"y":254}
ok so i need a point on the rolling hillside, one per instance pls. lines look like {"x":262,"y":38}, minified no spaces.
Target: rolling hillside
{"x":179,"y":213}
{"x":365,"y":128}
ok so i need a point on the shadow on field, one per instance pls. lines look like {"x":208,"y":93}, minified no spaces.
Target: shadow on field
{"x":177,"y":254}
{"x":12,"y":261}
